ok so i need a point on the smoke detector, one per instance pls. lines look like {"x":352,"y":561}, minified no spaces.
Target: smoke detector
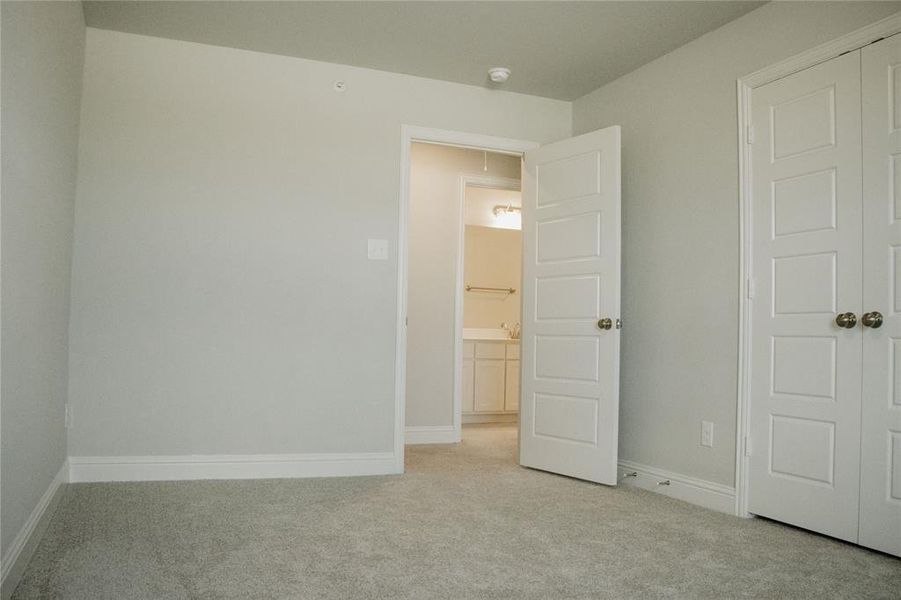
{"x":499,"y":74}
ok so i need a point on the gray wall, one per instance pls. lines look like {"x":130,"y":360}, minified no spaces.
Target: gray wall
{"x":222,"y":301}
{"x":435,"y":173}
{"x":680,"y":226}
{"x":43,"y":53}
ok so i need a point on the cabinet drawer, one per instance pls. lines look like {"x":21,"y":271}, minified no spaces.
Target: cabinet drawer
{"x":469,"y":349}
{"x":512,"y":351}
{"x":490,"y":350}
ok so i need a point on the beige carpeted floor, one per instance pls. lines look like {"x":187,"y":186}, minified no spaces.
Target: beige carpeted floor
{"x":463,"y":522}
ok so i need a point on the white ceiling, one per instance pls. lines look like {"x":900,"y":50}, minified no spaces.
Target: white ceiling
{"x":556,"y":49}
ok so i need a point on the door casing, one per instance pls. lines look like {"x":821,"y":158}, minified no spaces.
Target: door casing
{"x":410,"y":134}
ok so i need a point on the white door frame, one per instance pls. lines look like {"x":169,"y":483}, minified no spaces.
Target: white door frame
{"x":408,"y":135}
{"x":852,"y":41}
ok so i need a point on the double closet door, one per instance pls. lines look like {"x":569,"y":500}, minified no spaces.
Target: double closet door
{"x":825,"y":414}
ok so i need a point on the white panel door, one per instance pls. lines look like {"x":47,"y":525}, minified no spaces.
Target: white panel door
{"x":880,"y":466}
{"x":569,"y":408}
{"x":805,"y":369}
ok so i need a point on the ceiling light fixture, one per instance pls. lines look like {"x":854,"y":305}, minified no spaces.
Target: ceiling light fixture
{"x":499,"y":74}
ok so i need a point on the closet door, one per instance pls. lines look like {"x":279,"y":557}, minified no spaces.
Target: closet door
{"x":806,"y":368}
{"x":880,"y":474}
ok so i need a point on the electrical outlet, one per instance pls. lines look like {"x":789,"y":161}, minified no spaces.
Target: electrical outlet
{"x":707,"y":434}
{"x":377,"y":249}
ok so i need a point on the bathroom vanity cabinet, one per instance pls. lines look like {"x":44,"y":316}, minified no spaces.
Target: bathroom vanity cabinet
{"x":490,"y":377}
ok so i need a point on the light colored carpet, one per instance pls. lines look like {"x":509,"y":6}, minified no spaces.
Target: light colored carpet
{"x":463,"y":522}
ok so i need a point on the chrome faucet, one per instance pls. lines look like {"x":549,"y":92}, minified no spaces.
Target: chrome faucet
{"x":514,"y":331}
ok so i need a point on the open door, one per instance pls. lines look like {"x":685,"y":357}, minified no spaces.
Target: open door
{"x":569,"y":420}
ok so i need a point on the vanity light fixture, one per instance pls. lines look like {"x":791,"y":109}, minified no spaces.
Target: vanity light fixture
{"x":500,"y":210}
{"x":507,"y":217}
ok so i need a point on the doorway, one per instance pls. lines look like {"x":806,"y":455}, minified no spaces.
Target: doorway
{"x":463,"y":291}
{"x":569,"y":352}
{"x":491,"y":291}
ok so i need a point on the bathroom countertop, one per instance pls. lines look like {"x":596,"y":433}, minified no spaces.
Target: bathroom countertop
{"x":487,"y":335}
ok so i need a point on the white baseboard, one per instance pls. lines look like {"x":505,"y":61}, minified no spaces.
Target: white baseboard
{"x":26,"y":541}
{"x":710,"y":495}
{"x":243,"y":466}
{"x":430,"y":434}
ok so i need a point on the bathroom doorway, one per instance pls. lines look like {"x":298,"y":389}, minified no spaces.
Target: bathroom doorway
{"x":492,"y":300}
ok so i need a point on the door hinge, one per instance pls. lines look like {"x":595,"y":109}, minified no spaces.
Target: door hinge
{"x":749,"y":134}
{"x":746,"y":442}
{"x":751,"y":288}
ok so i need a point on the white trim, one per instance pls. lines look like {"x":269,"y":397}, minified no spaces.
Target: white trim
{"x":704,"y":493}
{"x":744,"y":309}
{"x":431,"y":434}
{"x":409,"y":134}
{"x":851,"y":41}
{"x":23,"y":546}
{"x":245,"y":466}
{"x":888,"y":26}
{"x":400,"y":343}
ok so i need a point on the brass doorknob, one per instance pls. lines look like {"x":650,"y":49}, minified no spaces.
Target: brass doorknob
{"x":605,"y":324}
{"x":872,"y":319}
{"x":846,"y":320}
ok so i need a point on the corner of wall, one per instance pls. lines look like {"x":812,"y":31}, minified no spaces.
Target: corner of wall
{"x":22,"y":548}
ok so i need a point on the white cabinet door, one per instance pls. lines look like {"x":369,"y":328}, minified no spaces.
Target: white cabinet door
{"x":880,"y":474}
{"x":805,"y":369}
{"x":467,"y":385}
{"x":511,"y":391}
{"x":571,"y":279}
{"x":489,"y":385}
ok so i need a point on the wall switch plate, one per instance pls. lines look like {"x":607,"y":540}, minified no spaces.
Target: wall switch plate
{"x":378,"y":250}
{"x":707,"y":434}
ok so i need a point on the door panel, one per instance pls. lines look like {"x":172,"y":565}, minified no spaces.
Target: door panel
{"x":804,"y":204}
{"x":803,"y":123}
{"x":806,"y":231}
{"x":880,"y":474}
{"x":569,"y":405}
{"x":568,"y":239}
